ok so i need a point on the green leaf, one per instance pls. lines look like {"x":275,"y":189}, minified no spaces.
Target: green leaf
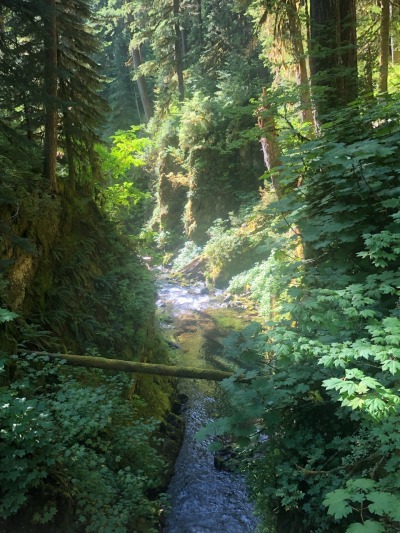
{"x":392,"y":366}
{"x":337,"y":504}
{"x":361,"y":483}
{"x":384,"y":503}
{"x":369,"y":526}
{"x":7,"y":316}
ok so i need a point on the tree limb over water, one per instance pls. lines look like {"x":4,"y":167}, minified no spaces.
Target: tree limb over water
{"x":139,"y":368}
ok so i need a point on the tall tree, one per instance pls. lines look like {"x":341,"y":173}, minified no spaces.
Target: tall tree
{"x":384,"y":46}
{"x":296,"y":38}
{"x":52,"y":81}
{"x":51,"y":93}
{"x":155,"y":26}
{"x":79,"y":83}
{"x":333,"y":55}
{"x":282,"y":19}
{"x":178,"y":50}
{"x":136,"y":60}
{"x":141,"y":83}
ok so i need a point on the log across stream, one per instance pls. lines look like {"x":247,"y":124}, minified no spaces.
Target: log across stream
{"x":202,"y":498}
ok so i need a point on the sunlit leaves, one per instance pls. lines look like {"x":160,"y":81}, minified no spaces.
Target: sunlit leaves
{"x":126,"y":152}
{"x":329,"y":360}
{"x":363,"y":492}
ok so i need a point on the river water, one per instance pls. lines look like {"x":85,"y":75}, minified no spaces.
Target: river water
{"x":203,"y":499}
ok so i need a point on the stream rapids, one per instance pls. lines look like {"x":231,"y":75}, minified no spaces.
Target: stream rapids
{"x":202,"y":498}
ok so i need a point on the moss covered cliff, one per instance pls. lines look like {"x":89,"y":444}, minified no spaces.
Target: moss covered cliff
{"x":72,"y":283}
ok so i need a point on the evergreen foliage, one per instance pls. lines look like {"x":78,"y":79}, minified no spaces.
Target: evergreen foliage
{"x":225,"y":90}
{"x":78,"y":450}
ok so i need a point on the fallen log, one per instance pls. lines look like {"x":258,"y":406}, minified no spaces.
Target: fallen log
{"x":137,"y":368}
{"x":194,"y":268}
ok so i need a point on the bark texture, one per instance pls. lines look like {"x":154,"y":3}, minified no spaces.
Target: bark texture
{"x":142,"y":86}
{"x":178,"y":51}
{"x":333,"y":59}
{"x":270,"y":144}
{"x":300,"y":57}
{"x":384,"y":46}
{"x":51,"y":81}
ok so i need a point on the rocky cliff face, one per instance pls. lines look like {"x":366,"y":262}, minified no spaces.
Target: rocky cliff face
{"x":29,"y":233}
{"x":209,"y":186}
{"x":78,"y":285}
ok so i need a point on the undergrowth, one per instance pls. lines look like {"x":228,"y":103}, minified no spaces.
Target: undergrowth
{"x":316,"y":421}
{"x":79,"y":449}
{"x":75,"y":450}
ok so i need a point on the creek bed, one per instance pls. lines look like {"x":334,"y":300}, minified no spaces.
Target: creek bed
{"x":203,"y":499}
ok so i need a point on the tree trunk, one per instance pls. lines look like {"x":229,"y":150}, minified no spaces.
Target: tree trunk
{"x":200,"y":22}
{"x":69,"y":146}
{"x":322,"y":53}
{"x":394,"y":16}
{"x":333,"y":57}
{"x":139,"y":368}
{"x":142,"y":85}
{"x":384,"y":46}
{"x":299,"y":55}
{"x":369,"y":73}
{"x":178,"y":51}
{"x":29,"y":132}
{"x":347,"y":56}
{"x":51,"y":80}
{"x":269,"y":144}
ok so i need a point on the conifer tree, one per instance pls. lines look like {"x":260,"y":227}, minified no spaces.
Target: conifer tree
{"x":128,"y":91}
{"x":51,"y":92}
{"x":333,"y":54}
{"x":52,"y":81}
{"x":384,"y":46}
{"x":79,"y":78}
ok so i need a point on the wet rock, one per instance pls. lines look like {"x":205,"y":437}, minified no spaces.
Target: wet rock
{"x":175,"y":420}
{"x":183,"y":398}
{"x":226,"y":459}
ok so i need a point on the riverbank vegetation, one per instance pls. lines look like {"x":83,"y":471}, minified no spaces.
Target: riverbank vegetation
{"x":253,"y":144}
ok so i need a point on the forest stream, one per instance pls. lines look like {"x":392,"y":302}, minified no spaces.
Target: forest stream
{"x":203,"y":498}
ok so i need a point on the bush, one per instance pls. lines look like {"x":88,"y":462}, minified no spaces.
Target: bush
{"x":76,"y":443}
{"x":317,"y":416}
{"x":189,"y":252}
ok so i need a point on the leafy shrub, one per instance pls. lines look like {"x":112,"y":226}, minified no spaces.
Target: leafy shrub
{"x":234,"y":244}
{"x":125,"y":192}
{"x":72,"y":443}
{"x":189,"y":252}
{"x":263,"y":283}
{"x":317,"y":416}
